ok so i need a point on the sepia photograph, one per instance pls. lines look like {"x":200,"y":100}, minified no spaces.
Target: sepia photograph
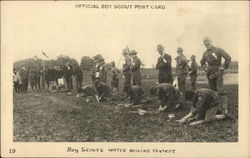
{"x":115,"y":72}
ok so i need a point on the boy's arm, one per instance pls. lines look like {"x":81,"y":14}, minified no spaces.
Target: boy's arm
{"x":185,"y":118}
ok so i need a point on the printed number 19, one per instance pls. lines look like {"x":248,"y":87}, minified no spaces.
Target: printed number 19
{"x":12,"y":151}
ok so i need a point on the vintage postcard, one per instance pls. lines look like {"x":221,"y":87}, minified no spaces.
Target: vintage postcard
{"x":125,"y":79}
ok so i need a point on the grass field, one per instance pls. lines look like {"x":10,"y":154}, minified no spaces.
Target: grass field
{"x":58,"y":117}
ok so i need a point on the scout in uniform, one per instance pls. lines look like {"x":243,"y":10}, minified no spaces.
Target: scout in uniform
{"x":78,"y":77}
{"x":136,"y":92}
{"x":164,"y":66}
{"x":16,"y":80}
{"x":33,"y":80}
{"x":103,"y":90}
{"x":181,"y":69}
{"x":115,"y":76}
{"x":205,"y":105}
{"x":23,"y":72}
{"x":193,"y":72}
{"x":126,"y":71}
{"x":42,"y":78}
{"x":94,"y":68}
{"x":68,"y":72}
{"x":101,"y":72}
{"x":211,"y":63}
{"x":168,"y":95}
{"x":135,"y":68}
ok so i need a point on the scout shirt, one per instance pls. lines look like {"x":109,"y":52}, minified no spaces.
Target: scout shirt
{"x":167,"y":93}
{"x":101,"y":72}
{"x":203,"y":100}
{"x":136,"y":64}
{"x":212,"y":58}
{"x":182,"y":66}
{"x":127,"y":64}
{"x":115,"y":72}
{"x":193,"y":68}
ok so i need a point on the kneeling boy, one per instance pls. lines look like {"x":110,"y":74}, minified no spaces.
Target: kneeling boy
{"x":135,"y":92}
{"x":168,"y":96}
{"x":205,"y":105}
{"x":103,"y":90}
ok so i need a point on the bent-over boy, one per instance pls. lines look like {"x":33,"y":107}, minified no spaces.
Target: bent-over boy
{"x":168,"y":96}
{"x":205,"y":105}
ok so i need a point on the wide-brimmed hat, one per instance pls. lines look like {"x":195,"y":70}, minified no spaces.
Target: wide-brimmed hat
{"x":160,"y":46}
{"x":207,"y":40}
{"x":125,"y":51}
{"x":179,"y":49}
{"x":132,"y":52}
{"x":192,"y":57}
{"x":97,"y":57}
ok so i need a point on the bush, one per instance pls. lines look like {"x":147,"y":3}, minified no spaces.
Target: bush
{"x":87,"y":63}
{"x":36,"y":63}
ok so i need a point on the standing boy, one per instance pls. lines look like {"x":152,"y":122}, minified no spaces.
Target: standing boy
{"x":193,"y":72}
{"x":115,"y":76}
{"x":16,"y":80}
{"x":135,"y":68}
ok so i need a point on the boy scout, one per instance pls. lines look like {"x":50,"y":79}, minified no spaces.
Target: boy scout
{"x":115,"y":76}
{"x":205,"y":105}
{"x":101,"y":72}
{"x":164,"y":66}
{"x":168,"y":96}
{"x":16,"y":80}
{"x":33,"y":80}
{"x":78,"y":77}
{"x":103,"y":90}
{"x":135,"y":68}
{"x":193,"y":72}
{"x":136,"y":92}
{"x":211,"y":63}
{"x":126,"y":71}
{"x":68,"y":72}
{"x":23,"y":72}
{"x":181,"y":69}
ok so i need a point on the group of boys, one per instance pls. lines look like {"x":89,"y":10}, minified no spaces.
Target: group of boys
{"x":39,"y":77}
{"x":20,"y":79}
{"x":130,"y":70}
{"x":206,"y":104}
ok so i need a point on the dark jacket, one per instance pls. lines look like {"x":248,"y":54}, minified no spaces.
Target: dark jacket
{"x":193,"y":68}
{"x":164,"y":64}
{"x":68,"y":71}
{"x":78,"y":73}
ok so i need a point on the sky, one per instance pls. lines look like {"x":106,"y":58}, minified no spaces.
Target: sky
{"x":59,"y":28}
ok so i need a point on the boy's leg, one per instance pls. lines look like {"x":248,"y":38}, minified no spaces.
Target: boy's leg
{"x":212,"y":84}
{"x":117,"y":84}
{"x":211,"y":113}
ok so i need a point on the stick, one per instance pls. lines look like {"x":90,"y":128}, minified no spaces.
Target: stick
{"x":97,"y":98}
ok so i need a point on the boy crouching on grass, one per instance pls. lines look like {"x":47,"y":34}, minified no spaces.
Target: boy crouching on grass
{"x":136,"y":93}
{"x":168,"y":95}
{"x":103,"y":91}
{"x":205,"y":105}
